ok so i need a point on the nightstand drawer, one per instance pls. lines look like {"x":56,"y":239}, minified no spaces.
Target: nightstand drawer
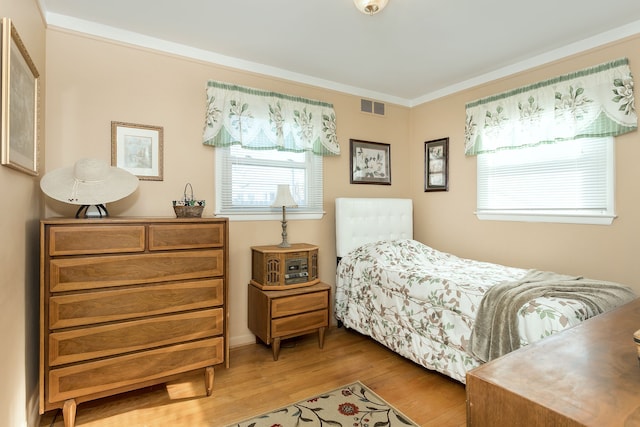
{"x":287,"y":306}
{"x":299,"y":323}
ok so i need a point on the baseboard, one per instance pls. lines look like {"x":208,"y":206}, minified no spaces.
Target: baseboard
{"x":242,"y":340}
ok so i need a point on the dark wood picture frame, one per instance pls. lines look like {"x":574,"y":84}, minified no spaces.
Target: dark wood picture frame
{"x":370,"y":162}
{"x":436,"y":165}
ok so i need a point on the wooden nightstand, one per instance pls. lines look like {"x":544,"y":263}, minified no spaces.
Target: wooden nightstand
{"x":277,"y":315}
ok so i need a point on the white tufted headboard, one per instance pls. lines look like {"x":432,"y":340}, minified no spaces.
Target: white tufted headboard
{"x":364,"y":220}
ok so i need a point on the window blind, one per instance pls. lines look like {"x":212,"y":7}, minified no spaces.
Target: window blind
{"x":575,"y":178}
{"x":247,"y":180}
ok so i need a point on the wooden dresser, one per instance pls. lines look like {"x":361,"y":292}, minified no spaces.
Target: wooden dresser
{"x":585,"y":376}
{"x":127,"y":303}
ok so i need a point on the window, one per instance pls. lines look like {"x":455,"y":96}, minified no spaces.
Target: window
{"x":571,"y":181}
{"x":264,"y":139}
{"x":545,"y":151}
{"x":247,"y":181}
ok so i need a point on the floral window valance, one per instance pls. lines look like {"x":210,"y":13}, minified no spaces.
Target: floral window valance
{"x":594,"y":102}
{"x":263,"y":120}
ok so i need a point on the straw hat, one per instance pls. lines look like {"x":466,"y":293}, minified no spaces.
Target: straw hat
{"x":89,"y":182}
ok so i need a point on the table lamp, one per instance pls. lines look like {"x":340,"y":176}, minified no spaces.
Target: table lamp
{"x":284,"y":199}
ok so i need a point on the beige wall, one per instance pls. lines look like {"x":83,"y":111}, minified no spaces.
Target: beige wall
{"x":92,"y":82}
{"x":446,"y":220}
{"x":19,"y":216}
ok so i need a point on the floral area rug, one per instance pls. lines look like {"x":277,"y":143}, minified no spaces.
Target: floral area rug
{"x":353,"y":405}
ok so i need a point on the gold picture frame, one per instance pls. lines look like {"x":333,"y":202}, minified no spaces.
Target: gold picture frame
{"x":138,"y":149}
{"x":19,"y":90}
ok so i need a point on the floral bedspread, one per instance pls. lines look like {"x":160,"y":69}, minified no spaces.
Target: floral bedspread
{"x":421,"y":303}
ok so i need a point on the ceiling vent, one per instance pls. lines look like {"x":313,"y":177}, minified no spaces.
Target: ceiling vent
{"x":372,"y":107}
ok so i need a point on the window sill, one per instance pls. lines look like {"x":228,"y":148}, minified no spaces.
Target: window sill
{"x":263,"y":216}
{"x":601,"y":219}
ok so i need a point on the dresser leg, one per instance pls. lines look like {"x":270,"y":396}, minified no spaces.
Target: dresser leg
{"x":69,"y":413}
{"x":275,"y":347}
{"x":321,"y":337}
{"x":208,"y":379}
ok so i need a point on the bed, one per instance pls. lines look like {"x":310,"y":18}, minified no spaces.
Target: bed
{"x":447,"y":313}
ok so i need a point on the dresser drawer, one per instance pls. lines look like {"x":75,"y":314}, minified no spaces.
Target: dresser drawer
{"x":121,"y":304}
{"x":124,"y":371}
{"x":109,"y":340}
{"x":68,"y":240}
{"x":299,"y":303}
{"x":68,"y":274}
{"x":299,"y":323}
{"x":185,"y":236}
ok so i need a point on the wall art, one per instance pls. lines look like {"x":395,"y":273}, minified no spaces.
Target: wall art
{"x":370,"y":162}
{"x":138,"y":149}
{"x":436,"y":165}
{"x":19,"y":106}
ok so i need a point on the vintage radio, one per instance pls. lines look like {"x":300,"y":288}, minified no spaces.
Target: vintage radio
{"x":276,"y":268}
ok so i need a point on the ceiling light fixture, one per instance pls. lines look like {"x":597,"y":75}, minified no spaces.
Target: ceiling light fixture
{"x":370,"y":7}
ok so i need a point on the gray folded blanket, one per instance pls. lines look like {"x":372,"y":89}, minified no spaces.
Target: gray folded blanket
{"x":495,"y":331}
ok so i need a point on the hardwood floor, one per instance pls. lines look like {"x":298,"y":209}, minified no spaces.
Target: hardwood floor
{"x":255,"y":383}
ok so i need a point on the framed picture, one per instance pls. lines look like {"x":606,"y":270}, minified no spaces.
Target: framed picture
{"x":370,"y":162}
{"x":137,"y":149}
{"x":20,"y":92}
{"x":436,"y":165}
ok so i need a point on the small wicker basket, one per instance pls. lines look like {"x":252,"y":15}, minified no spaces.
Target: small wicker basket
{"x":188,"y":207}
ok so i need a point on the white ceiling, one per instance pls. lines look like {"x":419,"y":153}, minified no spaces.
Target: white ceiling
{"x":411,"y":52}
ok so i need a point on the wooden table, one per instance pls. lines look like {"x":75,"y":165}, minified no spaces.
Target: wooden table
{"x":585,"y":376}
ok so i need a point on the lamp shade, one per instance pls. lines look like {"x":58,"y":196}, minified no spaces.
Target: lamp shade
{"x":370,"y":7}
{"x":284,"y":197}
